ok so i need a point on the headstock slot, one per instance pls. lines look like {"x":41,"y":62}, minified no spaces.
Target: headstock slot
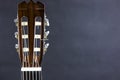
{"x":37,"y":33}
{"x":37,"y":41}
{"x":25,"y":42}
{"x":24,"y":32}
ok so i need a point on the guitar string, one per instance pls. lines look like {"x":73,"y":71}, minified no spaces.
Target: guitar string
{"x":35,"y":53}
{"x":41,"y":78}
{"x":40,"y":73}
{"x":36,"y":45}
{"x":32,"y":75}
{"x":37,"y":77}
{"x":41,"y":48}
{"x":39,"y":54}
{"x":25,"y":53}
{"x":22,"y":75}
{"x":25,"y":42}
{"x":29,"y":75}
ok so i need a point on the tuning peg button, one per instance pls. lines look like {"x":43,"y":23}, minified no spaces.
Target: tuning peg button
{"x":47,"y":45}
{"x":16,"y":35}
{"x":47,"y":33}
{"x":47,"y":22}
{"x":17,"y":47}
{"x":16,"y":21}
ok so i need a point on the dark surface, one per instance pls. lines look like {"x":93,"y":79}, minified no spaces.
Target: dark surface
{"x":84,"y":40}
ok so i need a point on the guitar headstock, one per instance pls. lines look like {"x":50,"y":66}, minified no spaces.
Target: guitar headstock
{"x":31,"y":33}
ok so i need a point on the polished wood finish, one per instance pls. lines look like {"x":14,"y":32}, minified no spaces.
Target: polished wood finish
{"x":31,"y":10}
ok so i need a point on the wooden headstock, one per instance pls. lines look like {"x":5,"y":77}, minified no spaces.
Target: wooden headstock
{"x":32,"y":34}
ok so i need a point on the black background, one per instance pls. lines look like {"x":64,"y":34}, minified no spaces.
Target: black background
{"x":84,"y":40}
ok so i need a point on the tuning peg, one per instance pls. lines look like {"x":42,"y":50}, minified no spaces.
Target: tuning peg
{"x":47,"y":22}
{"x":45,"y":47}
{"x":17,"y":47}
{"x":16,"y":35}
{"x":16,"y":21}
{"x":47,"y":33}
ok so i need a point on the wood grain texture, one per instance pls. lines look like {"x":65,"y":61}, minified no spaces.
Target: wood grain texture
{"x":31,"y":10}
